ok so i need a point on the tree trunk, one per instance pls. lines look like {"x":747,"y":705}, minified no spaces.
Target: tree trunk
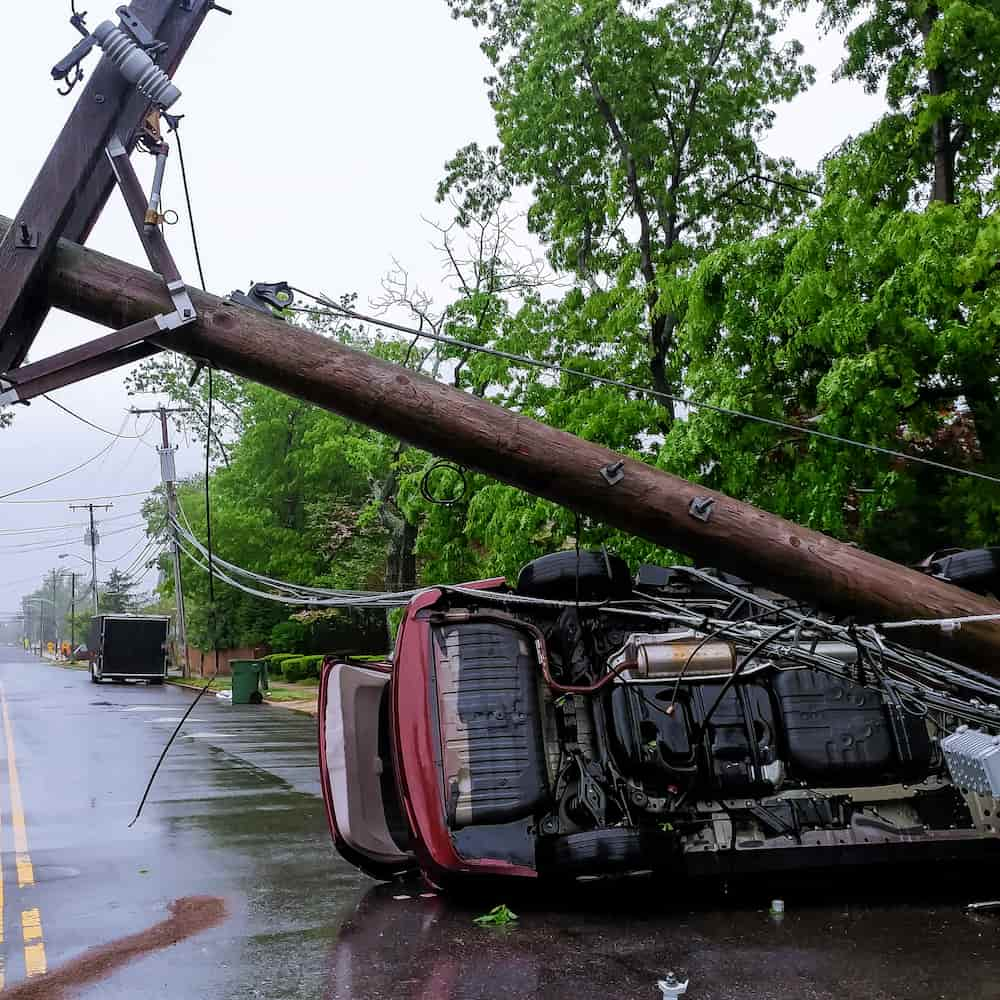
{"x":661,"y":343}
{"x":401,"y":564}
{"x":943,"y":186}
{"x":981,"y":397}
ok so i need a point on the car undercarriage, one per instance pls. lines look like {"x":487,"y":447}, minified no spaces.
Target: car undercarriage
{"x":699,"y":724}
{"x":586,"y":723}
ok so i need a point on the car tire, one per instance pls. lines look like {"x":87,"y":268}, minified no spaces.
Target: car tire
{"x":554,"y":577}
{"x":600,"y":852}
{"x":974,"y":569}
{"x":155,"y":680}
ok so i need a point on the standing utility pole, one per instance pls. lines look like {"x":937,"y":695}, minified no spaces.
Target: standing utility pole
{"x":168,"y":474}
{"x":92,"y":540}
{"x":55,"y":616}
{"x":72,"y":613}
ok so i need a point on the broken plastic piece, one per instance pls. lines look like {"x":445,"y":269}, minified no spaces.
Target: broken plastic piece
{"x":672,"y":987}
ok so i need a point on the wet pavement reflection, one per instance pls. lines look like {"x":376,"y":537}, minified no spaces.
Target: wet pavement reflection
{"x":236,"y":816}
{"x":857,"y":940}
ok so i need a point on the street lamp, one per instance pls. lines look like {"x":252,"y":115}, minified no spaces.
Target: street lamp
{"x":47,"y":601}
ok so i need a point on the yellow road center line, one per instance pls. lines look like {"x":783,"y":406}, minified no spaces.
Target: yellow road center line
{"x":25,"y":870}
{"x":31,"y":919}
{"x":34,"y":959}
{"x":31,"y":924}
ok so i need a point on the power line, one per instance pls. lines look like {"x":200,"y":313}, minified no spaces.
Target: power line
{"x":61,"y":527}
{"x":187,"y":198}
{"x":333,"y":309}
{"x":62,"y":475}
{"x":173,"y":122}
{"x":65,"y":500}
{"x":90,"y":423}
{"x":150,"y":553}
{"x":128,"y":551}
{"x":26,"y":547}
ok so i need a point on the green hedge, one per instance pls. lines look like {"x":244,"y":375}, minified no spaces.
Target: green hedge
{"x":302,"y":668}
{"x":276,"y":662}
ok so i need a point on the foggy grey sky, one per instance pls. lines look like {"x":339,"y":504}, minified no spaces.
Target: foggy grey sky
{"x":315,"y":136}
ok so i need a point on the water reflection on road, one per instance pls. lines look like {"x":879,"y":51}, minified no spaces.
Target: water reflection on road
{"x":848,"y":938}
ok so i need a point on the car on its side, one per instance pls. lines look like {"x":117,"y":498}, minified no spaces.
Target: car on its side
{"x":584,"y":723}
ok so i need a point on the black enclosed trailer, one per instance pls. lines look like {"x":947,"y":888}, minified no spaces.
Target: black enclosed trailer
{"x":129,"y":647}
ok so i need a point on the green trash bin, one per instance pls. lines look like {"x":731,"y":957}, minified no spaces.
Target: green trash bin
{"x":249,"y":681}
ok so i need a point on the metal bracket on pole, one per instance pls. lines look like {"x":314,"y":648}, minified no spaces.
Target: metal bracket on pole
{"x":265,"y":297}
{"x":73,"y":185}
{"x":150,"y":235}
{"x":109,"y":351}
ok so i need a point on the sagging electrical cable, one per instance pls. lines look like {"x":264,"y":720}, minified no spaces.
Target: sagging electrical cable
{"x":66,"y":500}
{"x":208,"y":506}
{"x":332,"y":308}
{"x":306,"y":593}
{"x":90,"y":423}
{"x":62,"y":475}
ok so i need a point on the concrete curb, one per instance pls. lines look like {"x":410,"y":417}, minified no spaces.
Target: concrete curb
{"x":309,"y":706}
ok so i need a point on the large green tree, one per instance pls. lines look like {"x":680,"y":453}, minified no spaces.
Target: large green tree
{"x":877,"y":317}
{"x":638,"y":127}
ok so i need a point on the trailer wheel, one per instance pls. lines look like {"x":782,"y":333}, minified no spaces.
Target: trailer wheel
{"x":598,"y":576}
{"x":256,"y":698}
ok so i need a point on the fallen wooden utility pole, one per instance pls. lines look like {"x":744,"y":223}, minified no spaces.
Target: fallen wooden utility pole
{"x":711,"y":527}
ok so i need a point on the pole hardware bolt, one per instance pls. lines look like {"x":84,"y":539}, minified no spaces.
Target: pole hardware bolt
{"x":700,"y":508}
{"x":614,"y":472}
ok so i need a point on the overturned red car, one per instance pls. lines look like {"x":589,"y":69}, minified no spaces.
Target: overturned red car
{"x":586,"y":723}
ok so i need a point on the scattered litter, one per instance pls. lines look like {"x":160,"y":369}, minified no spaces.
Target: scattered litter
{"x":224,"y":695}
{"x":499,"y":916}
{"x":984,"y":907}
{"x":777,"y":907}
{"x":402,"y":896}
{"x":672,"y":987}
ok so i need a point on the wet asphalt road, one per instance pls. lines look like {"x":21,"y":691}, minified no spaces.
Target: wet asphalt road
{"x":236,"y":814}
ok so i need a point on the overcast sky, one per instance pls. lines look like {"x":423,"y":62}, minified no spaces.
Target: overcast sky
{"x":315,"y":136}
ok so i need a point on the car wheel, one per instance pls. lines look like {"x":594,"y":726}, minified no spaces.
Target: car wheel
{"x":974,"y":569}
{"x":600,"y":852}
{"x":155,"y":680}
{"x":598,"y":576}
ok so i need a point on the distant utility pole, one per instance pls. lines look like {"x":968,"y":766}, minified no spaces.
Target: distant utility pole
{"x":55,"y":616}
{"x":92,"y":540}
{"x":168,"y":474}
{"x":72,"y":613}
